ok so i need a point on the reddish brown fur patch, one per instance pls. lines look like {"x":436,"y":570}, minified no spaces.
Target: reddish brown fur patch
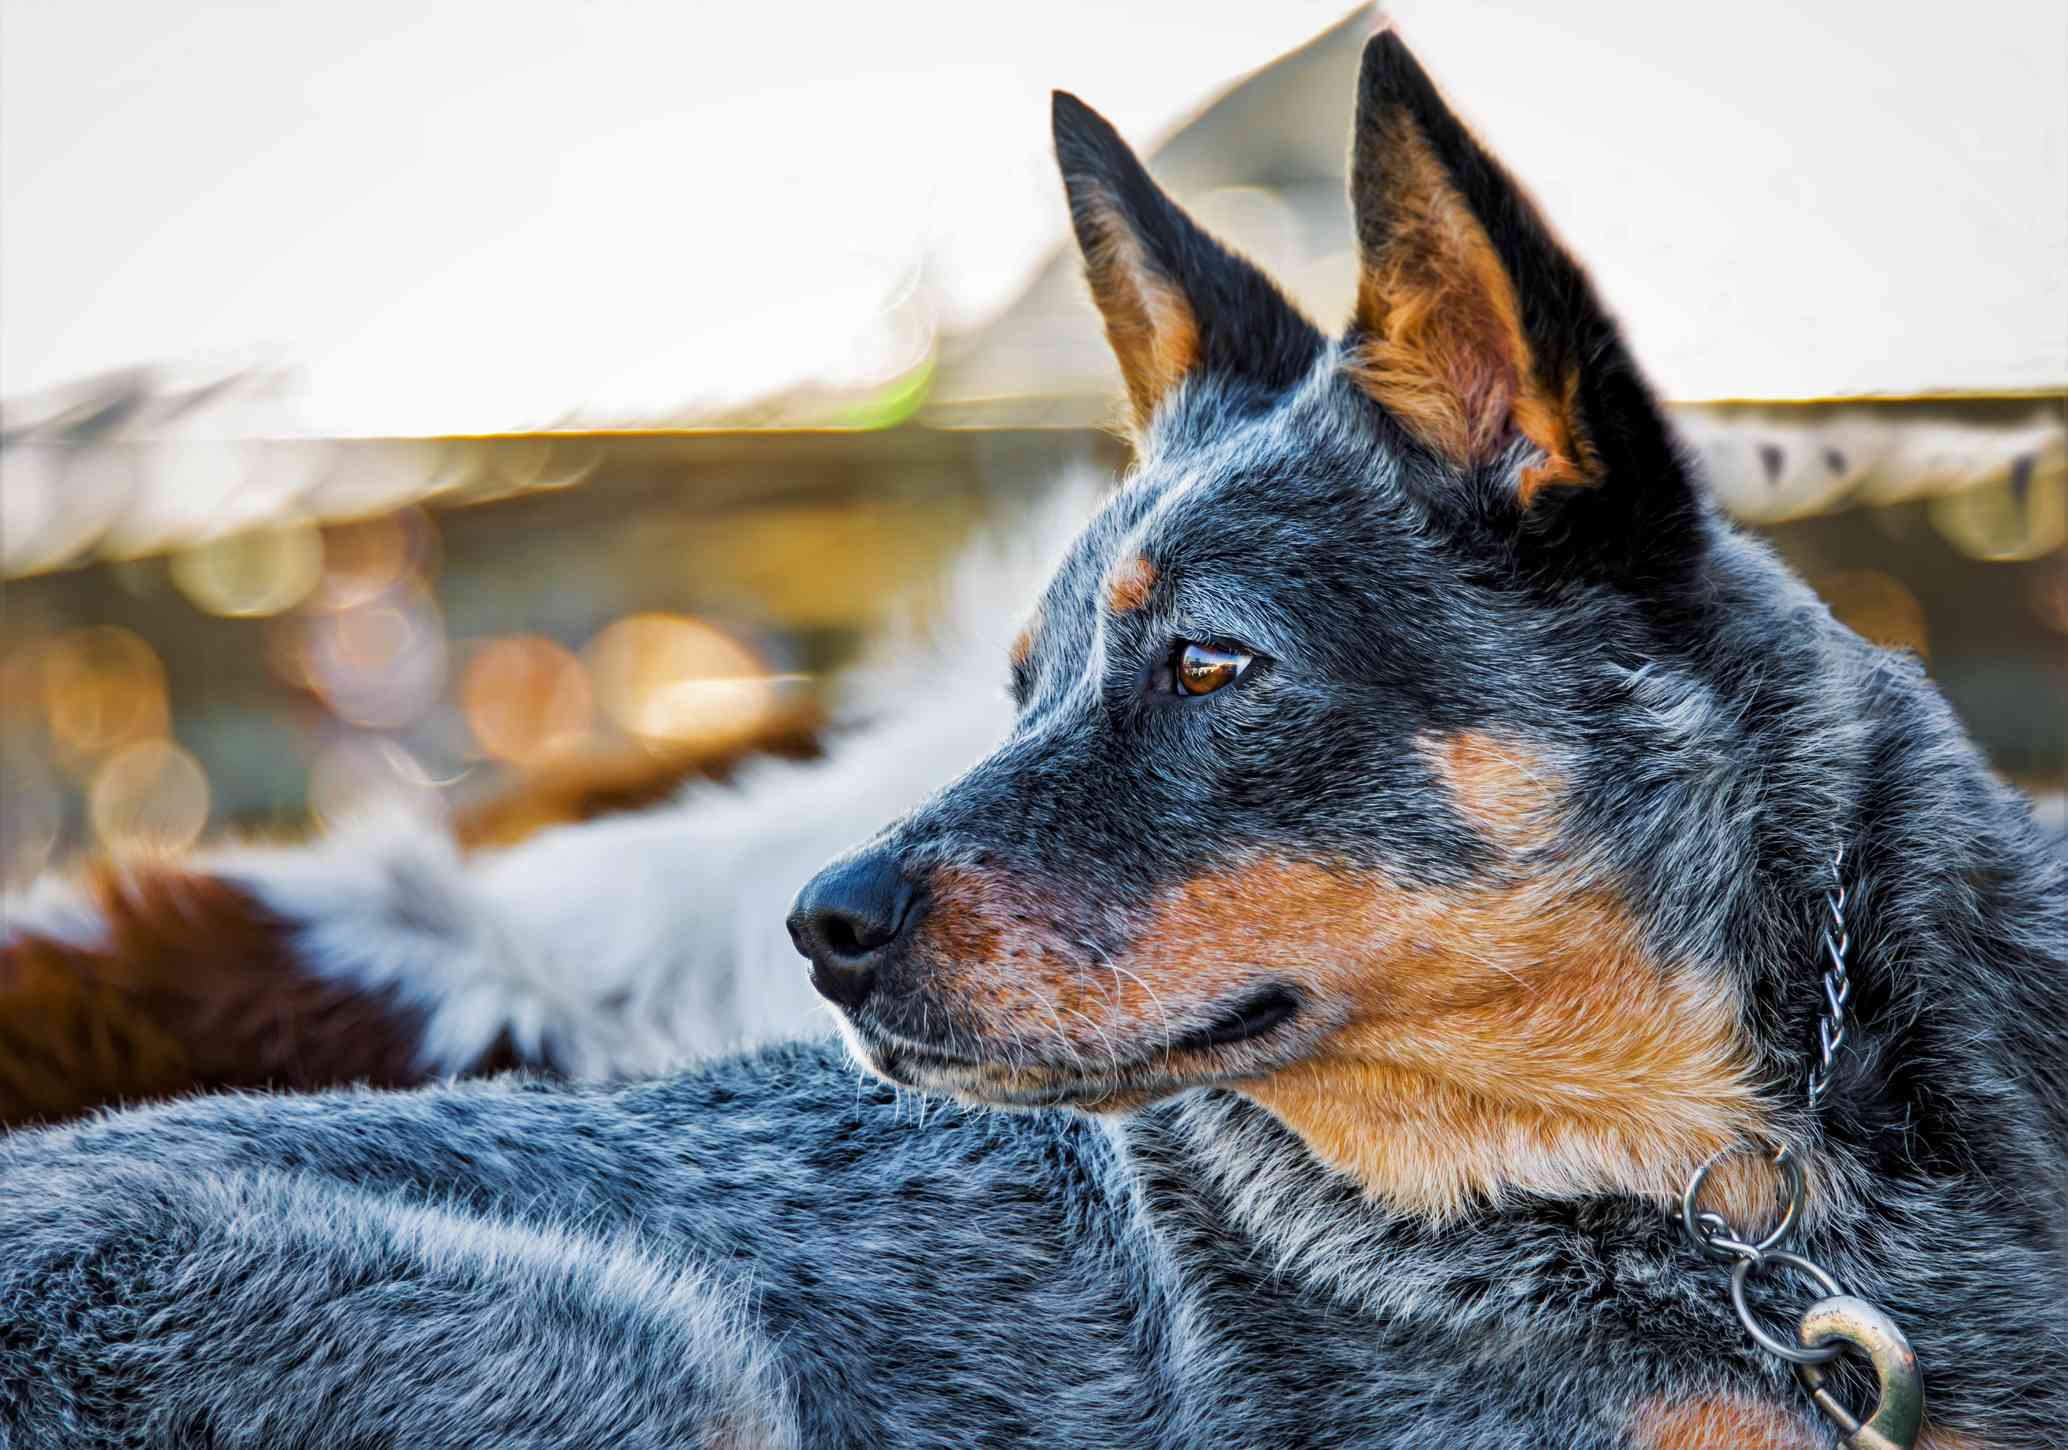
{"x":69,"y":1044}
{"x":197,"y":987}
{"x":1734,"y":1423}
{"x":1509,"y":794}
{"x":1128,"y":585}
{"x":1723,"y":1424}
{"x":1444,"y":348}
{"x":963,"y":920}
{"x":1148,"y":320}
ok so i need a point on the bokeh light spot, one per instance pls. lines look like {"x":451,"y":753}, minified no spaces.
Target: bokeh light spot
{"x":526,"y":699}
{"x":252,"y":574}
{"x":379,"y":665}
{"x":32,"y":815}
{"x":102,"y":689}
{"x":364,"y":559}
{"x":149,"y":795}
{"x":363,"y":772}
{"x":666,"y":677}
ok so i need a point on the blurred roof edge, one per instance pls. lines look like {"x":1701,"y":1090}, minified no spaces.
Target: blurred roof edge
{"x":152,"y":458}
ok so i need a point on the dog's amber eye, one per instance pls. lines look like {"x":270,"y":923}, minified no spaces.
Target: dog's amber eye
{"x":1202,"y":669}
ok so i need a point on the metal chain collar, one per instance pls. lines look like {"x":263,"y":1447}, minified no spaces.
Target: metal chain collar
{"x":1838,"y":1320}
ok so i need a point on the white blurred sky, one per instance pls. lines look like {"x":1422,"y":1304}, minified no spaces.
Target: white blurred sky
{"x":473,"y":216}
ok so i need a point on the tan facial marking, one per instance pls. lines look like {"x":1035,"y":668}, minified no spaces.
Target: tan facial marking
{"x":1128,"y":584}
{"x":1509,"y":794}
{"x":1509,"y":1039}
{"x":1444,"y":347}
{"x":966,"y":917}
{"x":1492,"y":1040}
{"x":990,"y":940}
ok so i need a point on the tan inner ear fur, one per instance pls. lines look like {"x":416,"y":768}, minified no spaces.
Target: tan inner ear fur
{"x":1443,"y":345}
{"x":1149,"y":322}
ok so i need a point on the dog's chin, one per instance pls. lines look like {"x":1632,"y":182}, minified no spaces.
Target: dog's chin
{"x":1244,"y":1040}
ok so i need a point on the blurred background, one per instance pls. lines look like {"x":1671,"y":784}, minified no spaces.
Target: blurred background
{"x":418,"y":399}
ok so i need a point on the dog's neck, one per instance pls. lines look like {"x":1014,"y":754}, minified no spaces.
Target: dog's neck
{"x":1587,"y":1054}
{"x":1553,"y":1059}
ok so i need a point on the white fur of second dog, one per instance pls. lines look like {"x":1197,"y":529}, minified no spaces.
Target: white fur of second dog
{"x":634,"y":943}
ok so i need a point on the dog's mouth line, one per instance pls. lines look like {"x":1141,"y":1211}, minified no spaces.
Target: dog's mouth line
{"x":1245,"y":1020}
{"x":1260,"y":1012}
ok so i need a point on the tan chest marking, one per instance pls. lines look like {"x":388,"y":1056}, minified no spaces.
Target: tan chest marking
{"x":1723,"y":1423}
{"x":1728,"y":1422}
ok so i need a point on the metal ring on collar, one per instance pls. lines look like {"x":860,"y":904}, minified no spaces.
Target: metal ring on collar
{"x":1781,"y":1348}
{"x":1727,"y":1243}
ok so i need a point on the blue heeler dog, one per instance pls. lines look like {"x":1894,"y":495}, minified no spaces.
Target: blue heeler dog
{"x":1408,"y":865}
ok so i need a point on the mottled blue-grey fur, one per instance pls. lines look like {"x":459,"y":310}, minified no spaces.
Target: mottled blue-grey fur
{"x":771,"y":1251}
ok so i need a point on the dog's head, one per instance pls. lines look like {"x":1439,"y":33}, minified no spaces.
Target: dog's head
{"x":1317,"y":722}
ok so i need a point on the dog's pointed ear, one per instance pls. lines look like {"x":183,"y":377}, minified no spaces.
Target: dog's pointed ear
{"x":1176,"y":302}
{"x":1473,"y":326}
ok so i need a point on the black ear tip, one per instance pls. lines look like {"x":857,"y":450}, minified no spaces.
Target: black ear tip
{"x":1388,"y":63}
{"x":1084,"y":138}
{"x":1073,"y":118}
{"x":1385,"y":43}
{"x":1391,"y":79}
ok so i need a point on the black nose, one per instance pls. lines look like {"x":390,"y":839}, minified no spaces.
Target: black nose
{"x":845,"y":919}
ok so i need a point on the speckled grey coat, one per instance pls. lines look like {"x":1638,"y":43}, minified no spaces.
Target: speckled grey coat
{"x":773,"y":1251}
